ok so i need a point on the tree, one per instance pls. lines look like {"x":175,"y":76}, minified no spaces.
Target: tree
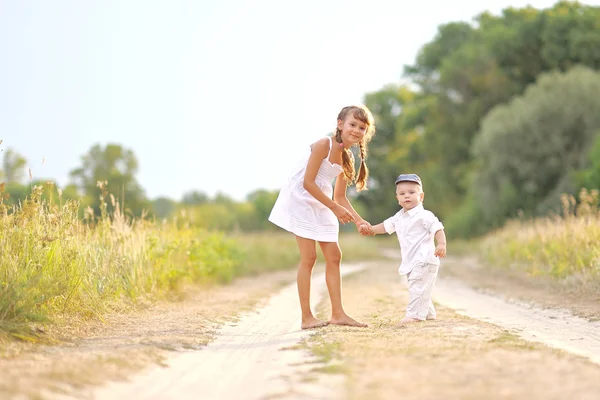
{"x":459,"y":77}
{"x":13,"y":166}
{"x":391,"y":150}
{"x":195,"y":197}
{"x":16,"y":193}
{"x":530,"y":150}
{"x":163,"y":207}
{"x":116,"y":167}
{"x":262,"y":202}
{"x":222,"y":198}
{"x":589,"y":177}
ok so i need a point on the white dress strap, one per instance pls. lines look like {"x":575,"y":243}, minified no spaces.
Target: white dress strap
{"x":330,"y":147}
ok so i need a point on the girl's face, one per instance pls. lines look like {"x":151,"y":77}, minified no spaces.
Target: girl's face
{"x":353,"y":130}
{"x":409,"y":195}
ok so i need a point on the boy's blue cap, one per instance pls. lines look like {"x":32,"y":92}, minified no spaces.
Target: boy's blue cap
{"x":408,"y":178}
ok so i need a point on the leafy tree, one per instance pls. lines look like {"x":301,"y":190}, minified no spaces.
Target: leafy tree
{"x":15,"y":193}
{"x":117,"y":167}
{"x":163,"y":207}
{"x":13,"y":166}
{"x":589,"y":177}
{"x":262,"y":202}
{"x":391,"y":150}
{"x":222,"y":198}
{"x":213,"y":216}
{"x":458,"y":78}
{"x":195,"y":197}
{"x":530,"y":149}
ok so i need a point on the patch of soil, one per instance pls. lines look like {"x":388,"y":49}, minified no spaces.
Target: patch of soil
{"x":514,"y":285}
{"x":453,"y":357}
{"x":95,"y":352}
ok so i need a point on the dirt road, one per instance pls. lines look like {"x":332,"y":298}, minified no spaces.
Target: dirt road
{"x":556,"y":328}
{"x":453,"y":357}
{"x":255,"y":353}
{"x":553,"y":327}
{"x":251,"y":359}
{"x":246,"y":360}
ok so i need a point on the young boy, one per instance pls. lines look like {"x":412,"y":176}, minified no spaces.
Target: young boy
{"x":416,"y":229}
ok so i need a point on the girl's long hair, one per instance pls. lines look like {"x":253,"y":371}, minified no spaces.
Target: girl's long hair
{"x":363,"y":114}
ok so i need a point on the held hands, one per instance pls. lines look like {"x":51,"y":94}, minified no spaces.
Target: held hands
{"x":440,"y":250}
{"x":342,"y":214}
{"x":365,"y":228}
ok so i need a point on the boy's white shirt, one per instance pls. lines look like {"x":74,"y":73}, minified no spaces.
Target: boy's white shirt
{"x":415,"y":229}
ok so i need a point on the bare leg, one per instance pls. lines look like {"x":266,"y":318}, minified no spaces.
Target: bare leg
{"x":333,"y":259}
{"x":308,"y":257}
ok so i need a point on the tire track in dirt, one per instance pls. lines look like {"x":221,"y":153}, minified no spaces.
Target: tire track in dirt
{"x":553,"y":327}
{"x":246,"y":360}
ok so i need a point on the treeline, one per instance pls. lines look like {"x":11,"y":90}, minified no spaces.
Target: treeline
{"x":106,"y":179}
{"x":501,"y":116}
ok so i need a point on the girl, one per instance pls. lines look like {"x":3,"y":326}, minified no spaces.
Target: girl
{"x":305,"y":207}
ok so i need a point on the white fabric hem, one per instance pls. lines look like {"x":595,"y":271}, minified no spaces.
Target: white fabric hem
{"x":330,"y":238}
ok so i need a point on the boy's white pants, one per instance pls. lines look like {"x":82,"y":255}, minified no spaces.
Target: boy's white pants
{"x":421,"y":281}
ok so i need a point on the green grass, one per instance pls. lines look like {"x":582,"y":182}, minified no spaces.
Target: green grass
{"x":324,"y":351}
{"x":54,"y":264}
{"x":510,"y":340}
{"x":327,"y":353}
{"x":269,"y":251}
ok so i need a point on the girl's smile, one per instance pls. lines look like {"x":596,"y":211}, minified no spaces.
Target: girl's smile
{"x":353,"y":130}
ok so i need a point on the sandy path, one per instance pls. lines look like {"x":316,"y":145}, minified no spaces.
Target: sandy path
{"x":245,"y":358}
{"x":555,"y":328}
{"x":453,"y":357}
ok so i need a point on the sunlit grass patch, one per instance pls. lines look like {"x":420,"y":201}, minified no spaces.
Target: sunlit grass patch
{"x":53,"y":263}
{"x":565,"y":247}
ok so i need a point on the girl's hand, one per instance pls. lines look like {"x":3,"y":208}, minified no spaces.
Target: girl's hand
{"x":365,"y":228}
{"x":342,"y":214}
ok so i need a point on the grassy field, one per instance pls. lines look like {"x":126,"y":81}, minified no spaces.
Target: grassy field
{"x":565,"y":247}
{"x":267,"y":251}
{"x":54,"y":264}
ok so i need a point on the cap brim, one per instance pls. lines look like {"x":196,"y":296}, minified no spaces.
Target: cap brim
{"x":408,"y":180}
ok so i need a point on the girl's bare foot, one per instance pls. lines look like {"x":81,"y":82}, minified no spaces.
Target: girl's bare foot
{"x":346,"y":321}
{"x":312,"y":322}
{"x":406,"y":320}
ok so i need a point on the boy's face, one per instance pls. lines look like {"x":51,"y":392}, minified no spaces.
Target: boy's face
{"x":409,"y":195}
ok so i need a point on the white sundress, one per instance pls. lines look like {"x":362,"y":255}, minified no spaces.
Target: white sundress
{"x":297,"y":211}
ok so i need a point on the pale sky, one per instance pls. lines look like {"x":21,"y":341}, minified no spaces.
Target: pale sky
{"x":211,"y":95}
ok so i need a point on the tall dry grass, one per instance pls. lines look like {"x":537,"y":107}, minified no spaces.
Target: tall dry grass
{"x":565,"y":247}
{"x":52,"y":263}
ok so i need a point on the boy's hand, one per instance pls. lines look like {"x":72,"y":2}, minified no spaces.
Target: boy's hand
{"x":440,"y":250}
{"x":365,"y":229}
